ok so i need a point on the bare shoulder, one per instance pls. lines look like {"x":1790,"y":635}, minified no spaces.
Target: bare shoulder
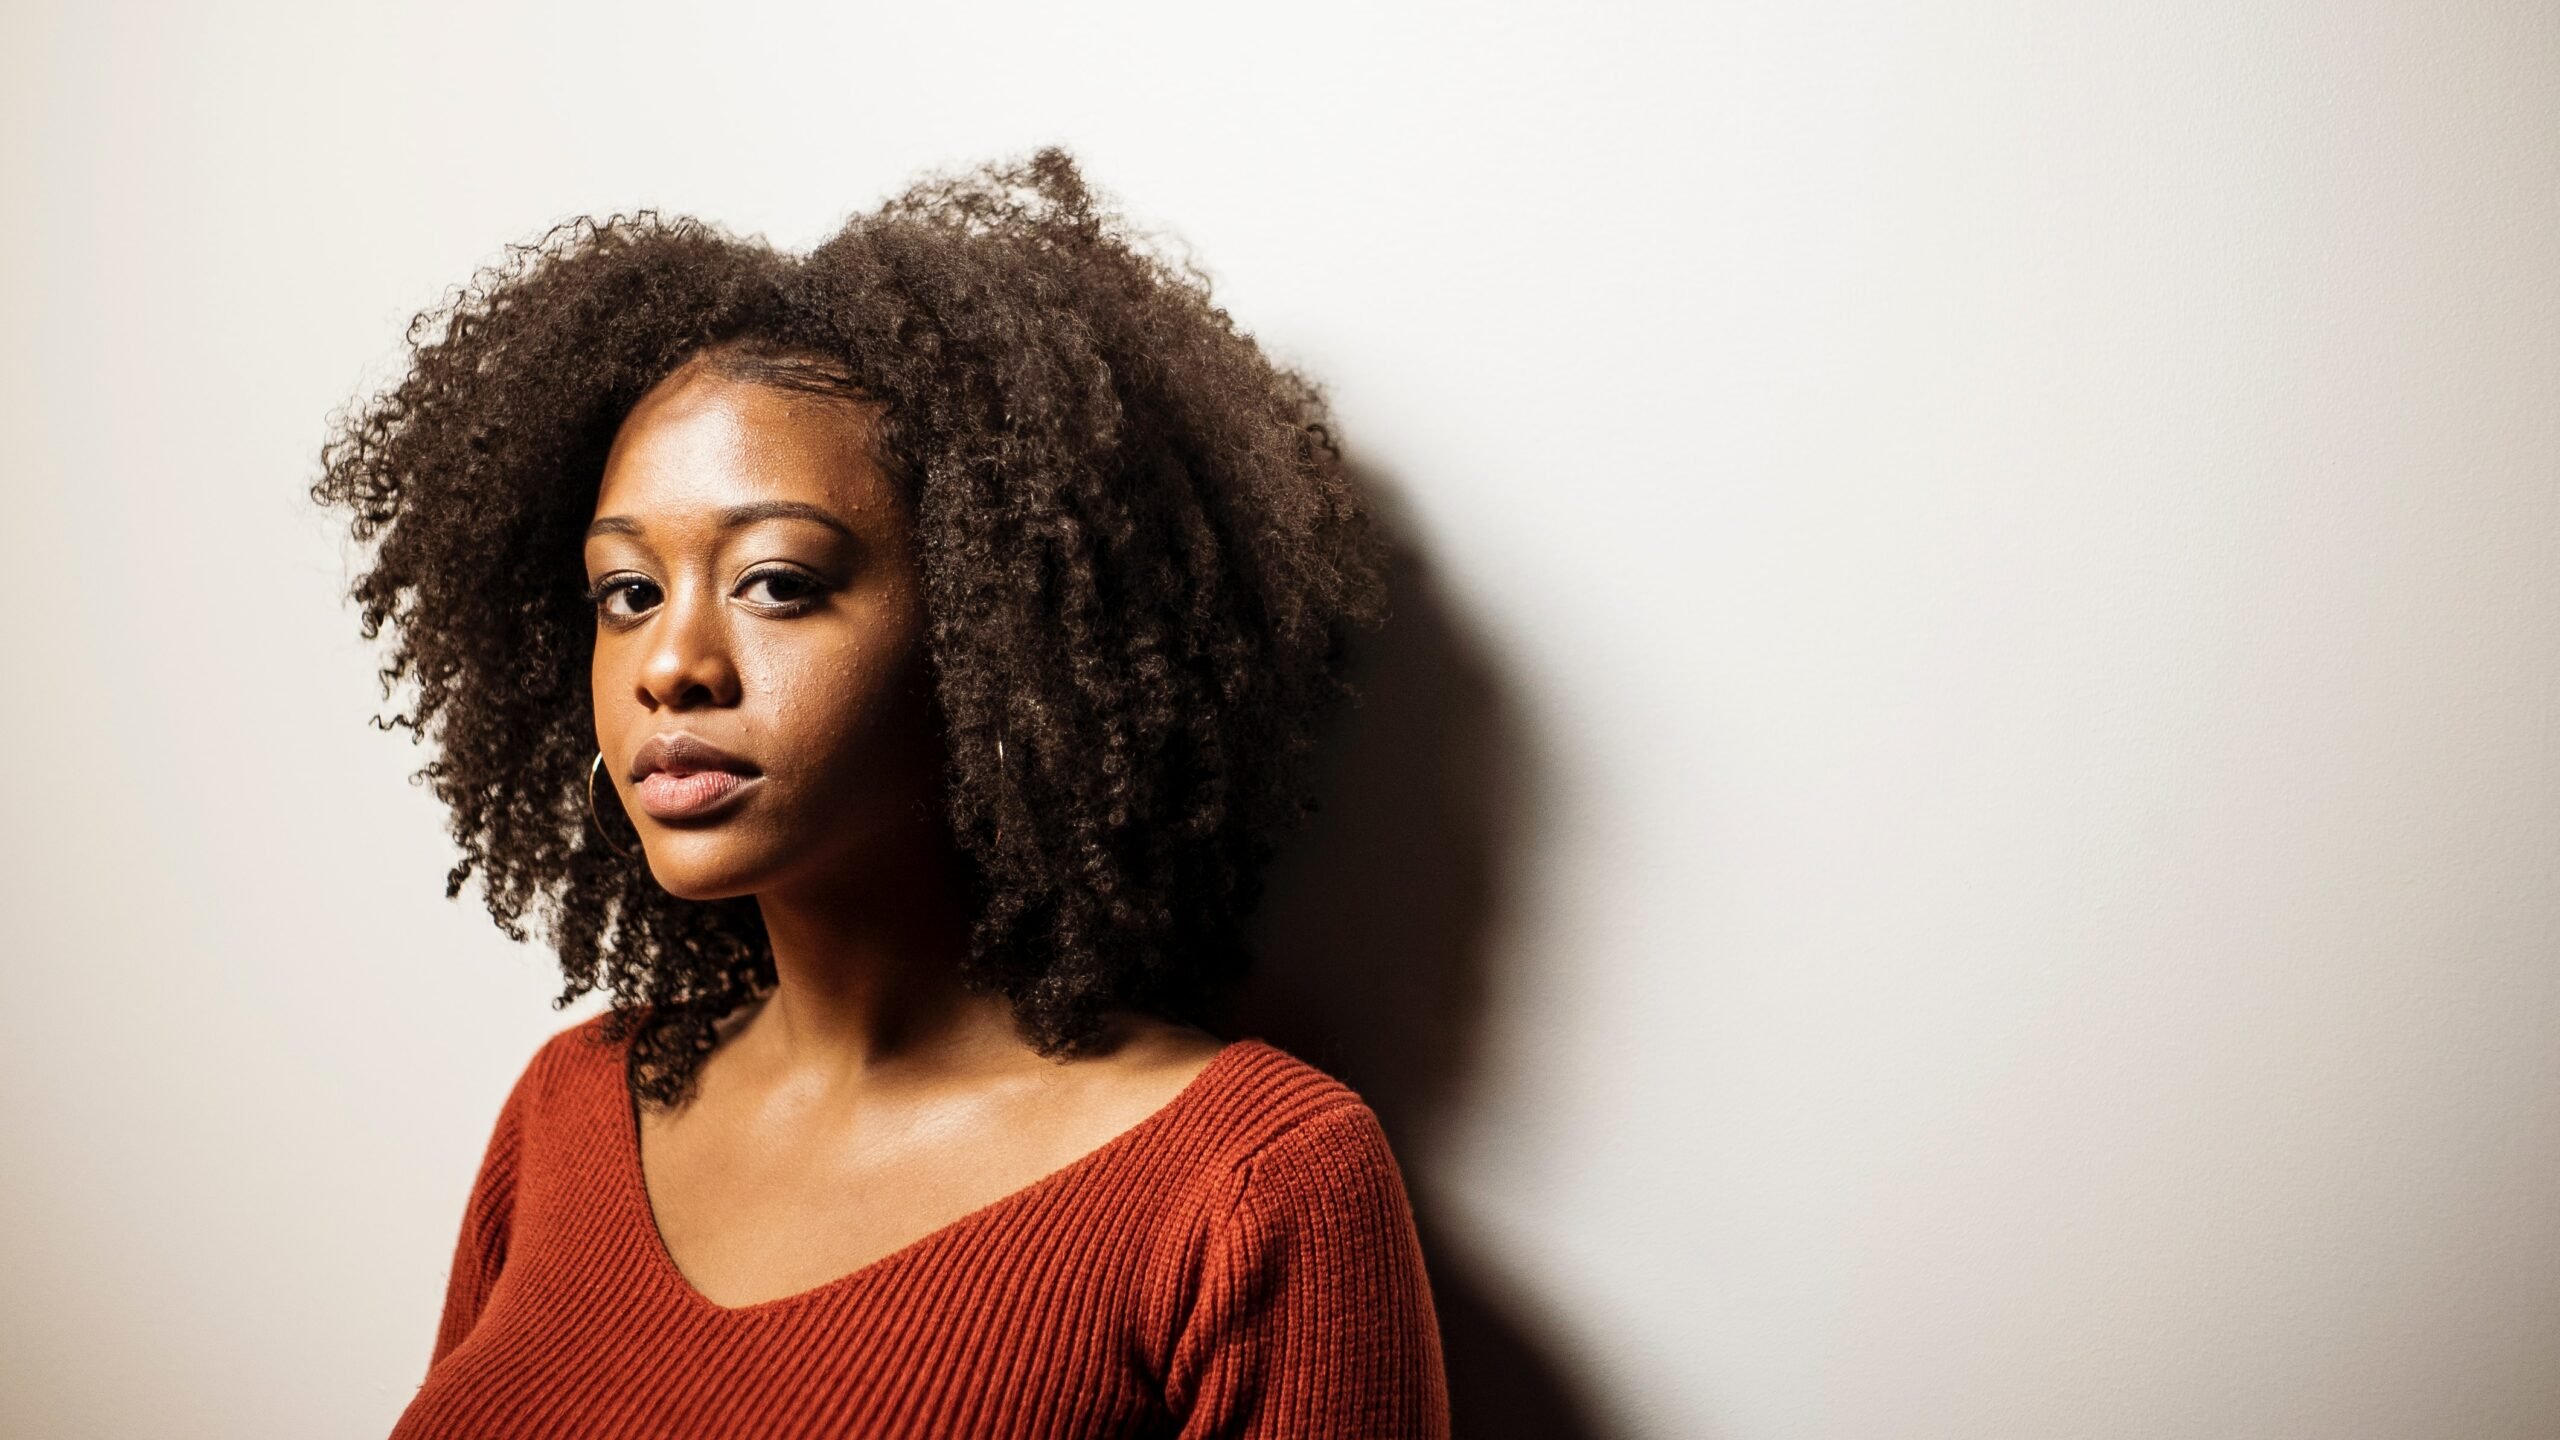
{"x":1264,"y":1098}
{"x":1150,"y":1042}
{"x":1149,"y":1062}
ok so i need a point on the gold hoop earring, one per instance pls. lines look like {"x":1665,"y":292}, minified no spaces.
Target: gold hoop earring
{"x":594,"y":770}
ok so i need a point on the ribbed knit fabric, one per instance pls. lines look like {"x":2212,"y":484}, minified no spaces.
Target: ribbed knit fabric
{"x":1242,"y":1262}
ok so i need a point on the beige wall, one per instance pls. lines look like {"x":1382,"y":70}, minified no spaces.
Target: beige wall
{"x":2001,"y":558}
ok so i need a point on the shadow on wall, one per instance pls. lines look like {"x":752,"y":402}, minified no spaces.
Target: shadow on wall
{"x":1374,"y":958}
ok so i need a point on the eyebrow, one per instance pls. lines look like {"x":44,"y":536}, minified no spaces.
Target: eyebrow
{"x":735,"y":516}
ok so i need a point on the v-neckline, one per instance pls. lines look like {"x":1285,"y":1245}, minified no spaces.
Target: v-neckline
{"x":635,"y":1181}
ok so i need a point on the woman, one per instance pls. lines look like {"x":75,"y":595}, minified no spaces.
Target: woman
{"x":885,"y":672}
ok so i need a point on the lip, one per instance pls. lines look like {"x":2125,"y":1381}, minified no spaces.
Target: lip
{"x":680,"y":776}
{"x":681,"y":752}
{"x":669,"y":796}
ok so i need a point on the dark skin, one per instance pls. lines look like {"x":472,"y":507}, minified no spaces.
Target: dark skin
{"x":868,"y":1100}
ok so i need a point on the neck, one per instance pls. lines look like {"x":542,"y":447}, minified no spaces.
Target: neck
{"x":866,"y":960}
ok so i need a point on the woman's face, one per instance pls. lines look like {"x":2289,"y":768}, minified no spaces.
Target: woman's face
{"x":759,"y":592}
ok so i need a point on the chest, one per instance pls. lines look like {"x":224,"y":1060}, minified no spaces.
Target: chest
{"x":756,"y":1198}
{"x":750,"y":1214}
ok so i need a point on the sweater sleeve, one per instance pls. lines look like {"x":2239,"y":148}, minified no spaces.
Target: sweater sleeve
{"x":1314,"y":1314}
{"x":481,"y":1250}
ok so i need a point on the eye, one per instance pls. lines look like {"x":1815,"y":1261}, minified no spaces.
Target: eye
{"x":600,"y":594}
{"x":791,"y":589}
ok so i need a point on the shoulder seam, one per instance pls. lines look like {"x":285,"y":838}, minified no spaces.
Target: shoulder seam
{"x":1237,"y":1177}
{"x":1243,"y":1165}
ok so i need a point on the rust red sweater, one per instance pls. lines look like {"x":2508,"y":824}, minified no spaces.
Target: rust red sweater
{"x":1242,"y":1262}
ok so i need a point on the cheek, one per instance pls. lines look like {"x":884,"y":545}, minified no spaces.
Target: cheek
{"x":841,"y":714}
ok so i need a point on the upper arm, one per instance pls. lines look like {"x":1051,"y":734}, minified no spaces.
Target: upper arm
{"x":1314,"y":1315}
{"x":480,"y":1250}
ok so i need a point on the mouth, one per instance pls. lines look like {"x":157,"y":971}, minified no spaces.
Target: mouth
{"x":669,"y":796}
{"x":684,"y":777}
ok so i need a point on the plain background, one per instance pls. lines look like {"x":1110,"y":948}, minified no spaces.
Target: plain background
{"x":1956,"y":835}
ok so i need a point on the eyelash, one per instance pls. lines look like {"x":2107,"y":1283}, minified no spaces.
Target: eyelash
{"x":596,"y":594}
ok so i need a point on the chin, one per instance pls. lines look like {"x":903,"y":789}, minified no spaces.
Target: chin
{"x":703,"y":867}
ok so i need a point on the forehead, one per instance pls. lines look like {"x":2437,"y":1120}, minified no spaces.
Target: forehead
{"x":701,"y":442}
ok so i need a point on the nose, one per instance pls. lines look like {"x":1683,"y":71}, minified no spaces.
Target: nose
{"x":687,"y":663}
